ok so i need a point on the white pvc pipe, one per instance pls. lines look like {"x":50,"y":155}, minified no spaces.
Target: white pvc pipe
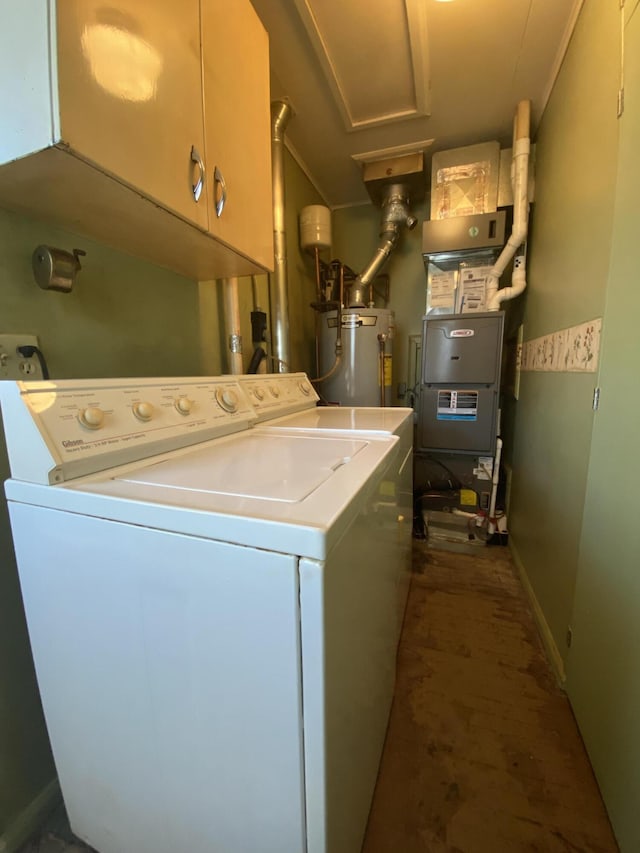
{"x":494,"y":487}
{"x":463,"y":514}
{"x":520,"y":186}
{"x":233,"y":335}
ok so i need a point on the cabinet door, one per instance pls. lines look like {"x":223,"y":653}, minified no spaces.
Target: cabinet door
{"x":130,"y":91}
{"x":238,"y":127}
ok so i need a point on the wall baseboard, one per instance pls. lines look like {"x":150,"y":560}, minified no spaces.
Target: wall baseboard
{"x":553,"y":654}
{"x":31,"y":818}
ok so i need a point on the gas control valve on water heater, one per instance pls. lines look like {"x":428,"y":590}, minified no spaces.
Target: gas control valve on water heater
{"x":459,"y":394}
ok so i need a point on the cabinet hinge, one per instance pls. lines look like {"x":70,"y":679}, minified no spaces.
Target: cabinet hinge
{"x":596,"y":399}
{"x":620,"y":102}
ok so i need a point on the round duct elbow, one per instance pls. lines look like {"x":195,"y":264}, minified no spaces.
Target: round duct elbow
{"x":281,"y":112}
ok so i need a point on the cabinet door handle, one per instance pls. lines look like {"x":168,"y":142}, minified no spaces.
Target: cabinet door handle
{"x":197,"y":187}
{"x":220,"y":201}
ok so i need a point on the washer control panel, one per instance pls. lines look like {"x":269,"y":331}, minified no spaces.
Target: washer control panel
{"x":90,"y":425}
{"x":274,"y":395}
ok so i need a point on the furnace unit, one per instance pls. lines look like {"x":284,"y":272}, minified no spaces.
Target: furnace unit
{"x":460,"y":386}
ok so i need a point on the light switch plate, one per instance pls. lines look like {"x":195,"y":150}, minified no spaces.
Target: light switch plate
{"x":15,"y":366}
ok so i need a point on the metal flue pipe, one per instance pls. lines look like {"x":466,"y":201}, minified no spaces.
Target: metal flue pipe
{"x":278,"y":292}
{"x":395,"y":214}
{"x":232,"y":325}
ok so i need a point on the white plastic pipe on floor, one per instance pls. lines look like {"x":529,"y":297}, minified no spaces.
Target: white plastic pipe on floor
{"x":494,"y":487}
{"x":520,"y":186}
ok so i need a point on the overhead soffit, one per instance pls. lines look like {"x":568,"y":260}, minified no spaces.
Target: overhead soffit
{"x":375,"y":57}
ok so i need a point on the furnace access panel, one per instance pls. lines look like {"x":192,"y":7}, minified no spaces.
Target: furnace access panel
{"x":459,"y":394}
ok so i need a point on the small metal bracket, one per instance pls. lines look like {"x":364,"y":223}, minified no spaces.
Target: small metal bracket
{"x":56,"y":269}
{"x":235,"y":343}
{"x":596,"y":399}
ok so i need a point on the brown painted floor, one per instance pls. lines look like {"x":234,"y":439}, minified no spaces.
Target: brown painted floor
{"x":483,"y":754}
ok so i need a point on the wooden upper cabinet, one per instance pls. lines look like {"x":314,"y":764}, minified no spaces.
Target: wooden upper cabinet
{"x":130,"y":94}
{"x":235,"y":51}
{"x":113,"y":112}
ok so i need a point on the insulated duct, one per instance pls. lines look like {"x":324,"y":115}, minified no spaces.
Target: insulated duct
{"x":278,"y":293}
{"x":395,"y":214}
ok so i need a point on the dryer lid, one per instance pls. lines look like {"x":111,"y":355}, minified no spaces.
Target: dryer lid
{"x":363,"y":418}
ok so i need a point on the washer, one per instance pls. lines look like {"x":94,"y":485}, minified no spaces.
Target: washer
{"x":288,"y":402}
{"x":211,"y":613}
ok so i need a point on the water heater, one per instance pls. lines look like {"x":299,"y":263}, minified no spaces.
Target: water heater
{"x":363,"y":377}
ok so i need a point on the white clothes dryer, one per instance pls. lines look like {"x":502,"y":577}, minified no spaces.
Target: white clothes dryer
{"x":288,"y":402}
{"x":211,"y":613}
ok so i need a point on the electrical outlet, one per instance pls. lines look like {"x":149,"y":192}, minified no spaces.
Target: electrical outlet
{"x":15,"y":366}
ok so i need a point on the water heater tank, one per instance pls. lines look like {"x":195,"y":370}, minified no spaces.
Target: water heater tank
{"x":363,"y":369}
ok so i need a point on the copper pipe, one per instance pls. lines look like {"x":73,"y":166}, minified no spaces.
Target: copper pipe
{"x":382,"y":340}
{"x":316,"y":252}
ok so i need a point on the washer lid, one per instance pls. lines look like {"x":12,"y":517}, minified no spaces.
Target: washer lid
{"x":269,"y":467}
{"x":278,"y":491}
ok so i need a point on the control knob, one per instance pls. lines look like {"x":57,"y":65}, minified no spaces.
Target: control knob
{"x":143,"y":410}
{"x":305,"y":388}
{"x":275,"y":391}
{"x":258,"y":393}
{"x":227,"y":399}
{"x":92,"y":417}
{"x":183,"y":405}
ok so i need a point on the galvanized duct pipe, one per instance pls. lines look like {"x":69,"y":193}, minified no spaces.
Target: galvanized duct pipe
{"x":278,"y":294}
{"x":259,"y":358}
{"x":232,"y":324}
{"x":395,"y":213}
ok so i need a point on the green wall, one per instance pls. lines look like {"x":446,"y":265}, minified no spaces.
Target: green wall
{"x":124,"y":317}
{"x":569,"y":249}
{"x":603,"y":674}
{"x":573,"y":519}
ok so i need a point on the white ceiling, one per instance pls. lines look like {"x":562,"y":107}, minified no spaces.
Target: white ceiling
{"x":369,"y":77}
